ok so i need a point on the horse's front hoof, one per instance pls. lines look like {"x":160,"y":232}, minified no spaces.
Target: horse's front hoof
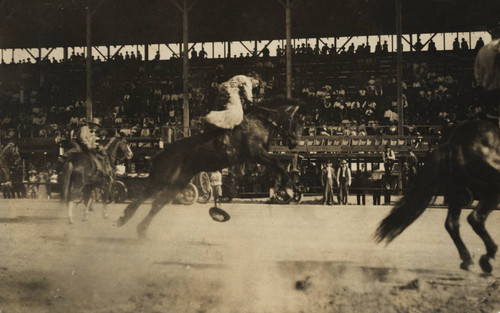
{"x":484,"y":262}
{"x":219,"y":215}
{"x":465,"y":264}
{"x":105,"y":216}
{"x":71,"y":221}
{"x":120,"y":222}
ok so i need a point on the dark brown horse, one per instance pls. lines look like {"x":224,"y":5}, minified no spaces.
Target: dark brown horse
{"x":83,"y":173}
{"x":214,"y":150}
{"x":465,"y":166}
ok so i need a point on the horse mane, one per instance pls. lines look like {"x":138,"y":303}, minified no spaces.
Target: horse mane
{"x":274,"y":103}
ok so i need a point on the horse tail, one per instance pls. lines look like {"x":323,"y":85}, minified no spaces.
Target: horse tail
{"x":66,"y":181}
{"x":417,"y":198}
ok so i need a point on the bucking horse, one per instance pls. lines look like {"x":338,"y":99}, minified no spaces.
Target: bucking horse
{"x":215,"y":149}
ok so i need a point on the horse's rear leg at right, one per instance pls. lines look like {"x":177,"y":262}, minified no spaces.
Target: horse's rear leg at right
{"x":456,"y":203}
{"x":476,"y":219}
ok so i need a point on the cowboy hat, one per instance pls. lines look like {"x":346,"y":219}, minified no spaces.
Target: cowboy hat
{"x":95,"y":121}
{"x":343,"y":162}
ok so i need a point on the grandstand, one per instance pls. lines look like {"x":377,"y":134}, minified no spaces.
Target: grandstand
{"x":133,"y":77}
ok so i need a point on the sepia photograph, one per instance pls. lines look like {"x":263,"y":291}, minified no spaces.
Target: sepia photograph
{"x":236,"y":156}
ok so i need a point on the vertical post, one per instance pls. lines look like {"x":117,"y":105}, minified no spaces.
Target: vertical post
{"x":146,"y":52}
{"x":89,"y":63}
{"x":288,"y":49}
{"x":185,"y":69}
{"x":399,"y":67}
{"x":228,"y":49}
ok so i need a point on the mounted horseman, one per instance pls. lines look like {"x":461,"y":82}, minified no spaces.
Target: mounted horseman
{"x":86,"y":140}
{"x":88,"y":167}
{"x":487,"y":75}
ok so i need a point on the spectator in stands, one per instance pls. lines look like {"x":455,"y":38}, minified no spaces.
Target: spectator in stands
{"x":194,"y":54}
{"x":324,"y":50}
{"x":344,"y":181}
{"x":327,"y":179}
{"x":203,"y":53}
{"x":418,"y":45}
{"x":378,"y":48}
{"x":385,"y":47}
{"x":456,"y":45}
{"x":351,"y":49}
{"x":463,"y":45}
{"x":479,"y":44}
{"x":432,"y":46}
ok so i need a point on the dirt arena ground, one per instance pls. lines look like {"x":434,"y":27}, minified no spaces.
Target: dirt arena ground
{"x":267,"y":258}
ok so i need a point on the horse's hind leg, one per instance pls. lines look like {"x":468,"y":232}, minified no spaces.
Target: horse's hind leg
{"x":452,"y":225}
{"x":88,"y":200}
{"x":70,"y":205}
{"x":165,"y":196}
{"x":105,"y":196}
{"x":132,"y":207}
{"x":477,"y":219}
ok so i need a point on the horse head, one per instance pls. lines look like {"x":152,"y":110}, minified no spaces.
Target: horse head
{"x":283,"y":115}
{"x":118,"y":148}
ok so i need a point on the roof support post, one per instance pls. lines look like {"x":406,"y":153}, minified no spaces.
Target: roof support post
{"x":399,"y":68}
{"x":288,"y":9}
{"x":48,"y":54}
{"x":185,"y":62}
{"x":88,"y":62}
{"x":288,"y":49}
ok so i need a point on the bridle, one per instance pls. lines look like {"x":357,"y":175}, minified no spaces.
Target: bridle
{"x":283,"y":129}
{"x":112,"y":154}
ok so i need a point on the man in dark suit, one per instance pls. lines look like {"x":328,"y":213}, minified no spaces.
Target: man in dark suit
{"x":327,"y":178}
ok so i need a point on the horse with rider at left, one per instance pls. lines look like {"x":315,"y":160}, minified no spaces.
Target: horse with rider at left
{"x":86,"y":169}
{"x":10,"y":166}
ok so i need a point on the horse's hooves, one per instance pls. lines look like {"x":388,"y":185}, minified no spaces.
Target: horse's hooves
{"x":105,"y":216}
{"x":120,"y":222}
{"x":465,"y":264}
{"x":219,"y":215}
{"x":70,"y":221}
{"x":484,"y":262}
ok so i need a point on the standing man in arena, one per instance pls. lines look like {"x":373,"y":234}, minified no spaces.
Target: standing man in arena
{"x":229,"y":94}
{"x":389,"y":158}
{"x":327,"y":177}
{"x":344,"y":181}
{"x":487,"y":74}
